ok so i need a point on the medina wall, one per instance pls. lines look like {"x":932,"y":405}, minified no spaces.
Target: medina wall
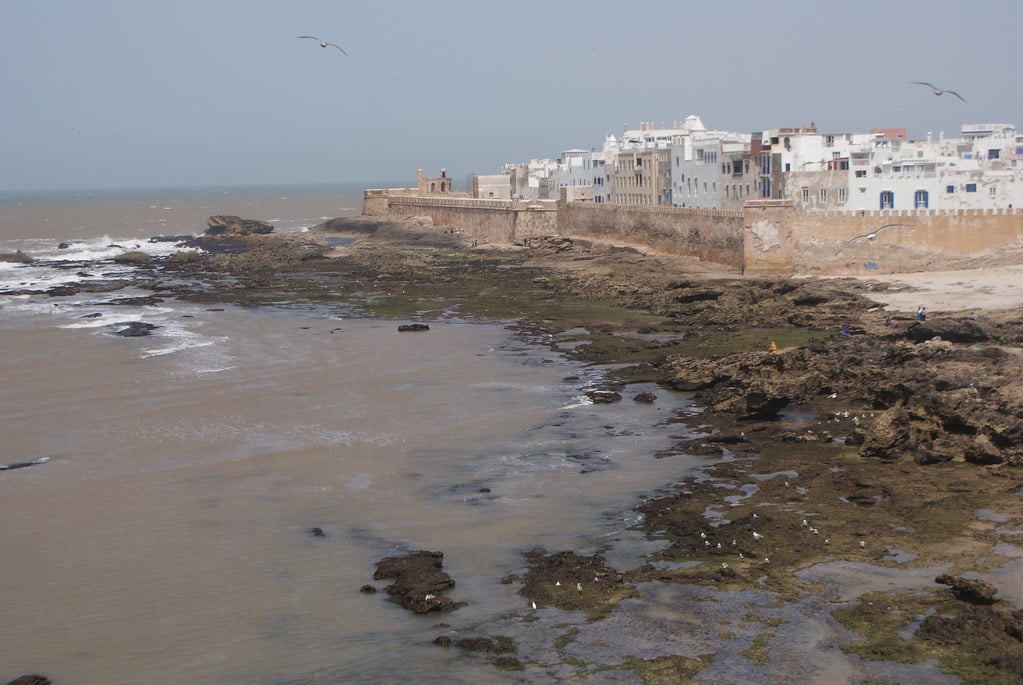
{"x":494,"y":221}
{"x":766,"y":237}
{"x":711,"y":235}
{"x":780,"y":239}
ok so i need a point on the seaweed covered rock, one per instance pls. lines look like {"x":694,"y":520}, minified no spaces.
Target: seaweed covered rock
{"x":419,"y":582}
{"x":969,"y":589}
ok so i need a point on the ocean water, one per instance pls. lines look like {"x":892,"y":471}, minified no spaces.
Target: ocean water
{"x":163,"y":537}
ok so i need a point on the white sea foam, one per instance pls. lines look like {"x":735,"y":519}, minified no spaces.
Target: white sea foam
{"x":178,"y":340}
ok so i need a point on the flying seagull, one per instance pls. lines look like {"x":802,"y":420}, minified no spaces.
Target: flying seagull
{"x":939,"y":91}
{"x":324,"y":43}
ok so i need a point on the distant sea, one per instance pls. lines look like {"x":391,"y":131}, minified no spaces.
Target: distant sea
{"x":162,"y":535}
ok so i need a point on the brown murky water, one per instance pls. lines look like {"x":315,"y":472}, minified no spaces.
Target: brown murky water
{"x":166,"y":537}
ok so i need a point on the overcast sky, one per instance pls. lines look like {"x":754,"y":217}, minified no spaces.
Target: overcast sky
{"x":148,"y":93}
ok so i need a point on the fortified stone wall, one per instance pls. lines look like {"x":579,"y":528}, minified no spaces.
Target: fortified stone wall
{"x":499,"y":221}
{"x":767,"y":237}
{"x":375,"y":200}
{"x":712,"y":235}
{"x":778,"y":238}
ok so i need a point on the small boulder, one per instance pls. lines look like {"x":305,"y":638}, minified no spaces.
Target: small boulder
{"x":603,"y":396}
{"x":406,"y":327}
{"x":136,"y":257}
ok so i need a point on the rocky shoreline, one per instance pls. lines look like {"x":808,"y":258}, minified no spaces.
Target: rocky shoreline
{"x":873,"y":445}
{"x":834,"y":429}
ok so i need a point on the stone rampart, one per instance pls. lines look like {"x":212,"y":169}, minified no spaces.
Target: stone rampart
{"x":781,"y":239}
{"x":498,"y":221}
{"x":709,"y":234}
{"x":375,"y":200}
{"x":766,"y":237}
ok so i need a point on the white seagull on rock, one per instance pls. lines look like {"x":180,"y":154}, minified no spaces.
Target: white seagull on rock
{"x":324,"y":44}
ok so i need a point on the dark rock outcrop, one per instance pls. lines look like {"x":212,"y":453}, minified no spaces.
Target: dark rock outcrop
{"x":950,"y":329}
{"x":419,"y":581}
{"x":969,"y":590}
{"x":33,"y":679}
{"x":136,"y":329}
{"x":17,"y":257}
{"x":227,"y":224}
{"x":406,"y":327}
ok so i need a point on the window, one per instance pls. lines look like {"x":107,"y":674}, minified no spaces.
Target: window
{"x":823,"y":195}
{"x":843,"y":195}
{"x":993,"y":191}
{"x":861,"y":173}
{"x":788,"y":167}
{"x":806,"y":195}
{"x":971,"y":187}
{"x":993,"y":154}
{"x":950,"y":189}
{"x":920,"y":199}
{"x":829,"y":141}
{"x":887,"y":199}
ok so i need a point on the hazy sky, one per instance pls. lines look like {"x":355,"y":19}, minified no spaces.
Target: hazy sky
{"x":151,"y":93}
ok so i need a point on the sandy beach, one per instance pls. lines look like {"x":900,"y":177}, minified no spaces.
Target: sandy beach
{"x":951,"y":291}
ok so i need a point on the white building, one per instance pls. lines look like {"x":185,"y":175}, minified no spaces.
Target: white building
{"x":575,"y":174}
{"x":980,"y":170}
{"x":710,"y":170}
{"x":686,"y":165}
